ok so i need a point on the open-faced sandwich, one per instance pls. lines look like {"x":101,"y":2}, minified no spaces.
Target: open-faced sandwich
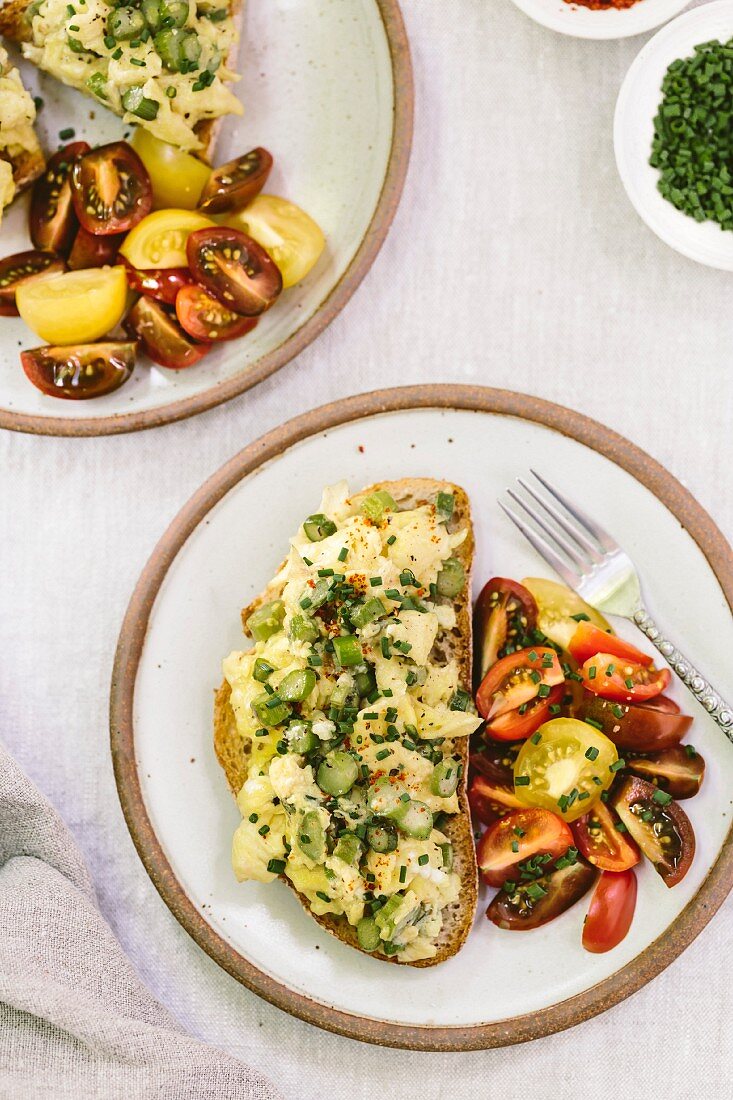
{"x":161,"y":64}
{"x":343,"y":731}
{"x":21,"y":159}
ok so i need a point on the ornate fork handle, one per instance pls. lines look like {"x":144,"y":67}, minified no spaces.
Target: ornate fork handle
{"x":703,"y":691}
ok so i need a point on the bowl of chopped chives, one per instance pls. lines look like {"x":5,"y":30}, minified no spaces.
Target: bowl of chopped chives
{"x":673,"y":134}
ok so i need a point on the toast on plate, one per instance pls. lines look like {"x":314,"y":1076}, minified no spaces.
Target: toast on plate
{"x":160,"y":64}
{"x":21,"y":159}
{"x":344,"y":732}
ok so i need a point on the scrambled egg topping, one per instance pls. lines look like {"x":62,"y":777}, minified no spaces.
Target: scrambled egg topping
{"x":352,"y":712}
{"x":17,"y":115}
{"x":158,"y":63}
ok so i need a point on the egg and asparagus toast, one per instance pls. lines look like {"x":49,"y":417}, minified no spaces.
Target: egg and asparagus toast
{"x":21,"y":159}
{"x":343,"y":731}
{"x":161,"y":64}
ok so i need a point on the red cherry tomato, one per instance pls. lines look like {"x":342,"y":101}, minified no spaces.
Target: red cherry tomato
{"x":611,"y":911}
{"x":205,"y":319}
{"x":20,"y":267}
{"x":597,"y":836}
{"x":161,"y":337}
{"x":644,"y":727}
{"x":162,"y":284}
{"x":234,"y":185}
{"x":516,"y":725}
{"x":622,"y":681}
{"x":52,"y":218}
{"x":90,"y":250}
{"x":519,"y":836}
{"x":491,"y":798}
{"x":76,"y":373}
{"x":504,"y":615}
{"x":111,"y":189}
{"x":514,"y":683}
{"x":589,"y":640}
{"x":234,"y":268}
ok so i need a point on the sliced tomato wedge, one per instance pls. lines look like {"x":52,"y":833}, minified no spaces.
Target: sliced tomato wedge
{"x":504,"y":615}
{"x":205,"y":318}
{"x":77,"y":373}
{"x":678,"y":770}
{"x":111,"y":189}
{"x":521,"y":835}
{"x":161,"y":337}
{"x":623,"y":681}
{"x":234,"y":185}
{"x":611,"y":911}
{"x":522,"y":906}
{"x":53,"y":221}
{"x":517,"y":680}
{"x":643,"y":727}
{"x":517,"y":725}
{"x":598,"y":837}
{"x":589,"y":640}
{"x":91,"y":250}
{"x":18,"y":269}
{"x":491,"y":797}
{"x":235,"y":269}
{"x":162,"y":284}
{"x":659,"y":826}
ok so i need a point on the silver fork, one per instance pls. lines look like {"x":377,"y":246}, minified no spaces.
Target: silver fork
{"x":592,"y":563}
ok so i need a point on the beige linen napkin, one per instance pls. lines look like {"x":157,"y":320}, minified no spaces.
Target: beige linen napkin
{"x":75,"y":1020}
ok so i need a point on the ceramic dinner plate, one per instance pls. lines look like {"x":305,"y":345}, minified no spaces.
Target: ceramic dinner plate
{"x":327,"y":88}
{"x":502,"y":987}
{"x":580,"y":21}
{"x":636,"y":108}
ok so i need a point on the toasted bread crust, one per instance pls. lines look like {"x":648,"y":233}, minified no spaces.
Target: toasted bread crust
{"x":15,"y":27}
{"x":27,"y":167}
{"x":233,"y":754}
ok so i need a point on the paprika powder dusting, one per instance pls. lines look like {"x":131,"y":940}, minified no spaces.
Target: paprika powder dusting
{"x":603,"y":5}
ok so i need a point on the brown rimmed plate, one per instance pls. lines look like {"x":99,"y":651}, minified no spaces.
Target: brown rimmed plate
{"x":183,"y":617}
{"x":328,"y":89}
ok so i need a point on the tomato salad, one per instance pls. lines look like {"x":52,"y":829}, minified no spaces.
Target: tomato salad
{"x":579,"y":769}
{"x":147,"y":248}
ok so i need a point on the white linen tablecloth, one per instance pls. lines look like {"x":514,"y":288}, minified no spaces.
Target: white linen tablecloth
{"x":515,"y":260}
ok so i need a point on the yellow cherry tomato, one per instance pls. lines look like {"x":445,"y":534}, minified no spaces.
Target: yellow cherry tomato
{"x":75,"y":307}
{"x":177,"y":178}
{"x":159,"y":240}
{"x":564,"y":767}
{"x":557,"y":606}
{"x":289,"y":235}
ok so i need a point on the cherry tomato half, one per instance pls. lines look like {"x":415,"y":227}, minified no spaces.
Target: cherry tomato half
{"x":235,"y":269}
{"x":611,"y":911}
{"x":111,"y":189}
{"x":679,"y":771}
{"x":518,"y":679}
{"x":520,"y":724}
{"x":162,"y":284}
{"x":645,"y":727}
{"x":597,"y":836}
{"x":589,"y":640}
{"x":504,"y":615}
{"x":235,"y":184}
{"x":77,"y":373}
{"x":529,"y":905}
{"x":288,"y":235}
{"x":161,"y":337}
{"x":52,"y":218}
{"x":491,"y":799}
{"x":203,"y":318}
{"x":623,"y":681}
{"x":517,"y":837}
{"x":560,"y":610}
{"x":90,"y":250}
{"x":659,"y":826}
{"x":21,"y":268}
{"x":565,"y":767}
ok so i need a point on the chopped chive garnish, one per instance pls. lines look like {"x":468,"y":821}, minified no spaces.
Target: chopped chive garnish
{"x":276,"y":866}
{"x":403,"y":873}
{"x":591,"y":753}
{"x":254,"y":818}
{"x":661,"y":797}
{"x":343,"y":553}
{"x":521,"y":781}
{"x":617,"y":766}
{"x":423,"y":859}
{"x":536,"y":738}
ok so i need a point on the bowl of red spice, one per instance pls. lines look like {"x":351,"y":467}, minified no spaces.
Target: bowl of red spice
{"x":601,"y":18}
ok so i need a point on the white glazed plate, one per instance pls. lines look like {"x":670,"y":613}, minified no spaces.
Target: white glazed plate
{"x":327,"y":89}
{"x":581,"y":22}
{"x":633,"y":132}
{"x":223,"y":548}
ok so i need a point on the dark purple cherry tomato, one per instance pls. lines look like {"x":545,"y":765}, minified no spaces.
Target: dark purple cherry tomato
{"x":53,"y":221}
{"x":111,"y":189}
{"x":91,"y":250}
{"x":520,"y":906}
{"x":679,"y":771}
{"x":79,"y":372}
{"x":17,"y":269}
{"x":233,"y":186}
{"x":235,"y":269}
{"x":162,"y":284}
{"x":161,"y":336}
{"x":659,"y":826}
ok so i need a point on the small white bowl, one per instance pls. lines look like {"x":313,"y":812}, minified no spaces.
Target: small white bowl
{"x":582,"y":22}
{"x":633,"y":132}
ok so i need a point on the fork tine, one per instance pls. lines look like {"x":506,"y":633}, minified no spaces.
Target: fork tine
{"x":543,"y":548}
{"x":577,"y":534}
{"x":576,"y":556}
{"x":601,"y":536}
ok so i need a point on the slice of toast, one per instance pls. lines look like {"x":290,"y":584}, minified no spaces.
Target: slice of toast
{"x":232,"y":752}
{"x":19,"y":145}
{"x":15,"y":25}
